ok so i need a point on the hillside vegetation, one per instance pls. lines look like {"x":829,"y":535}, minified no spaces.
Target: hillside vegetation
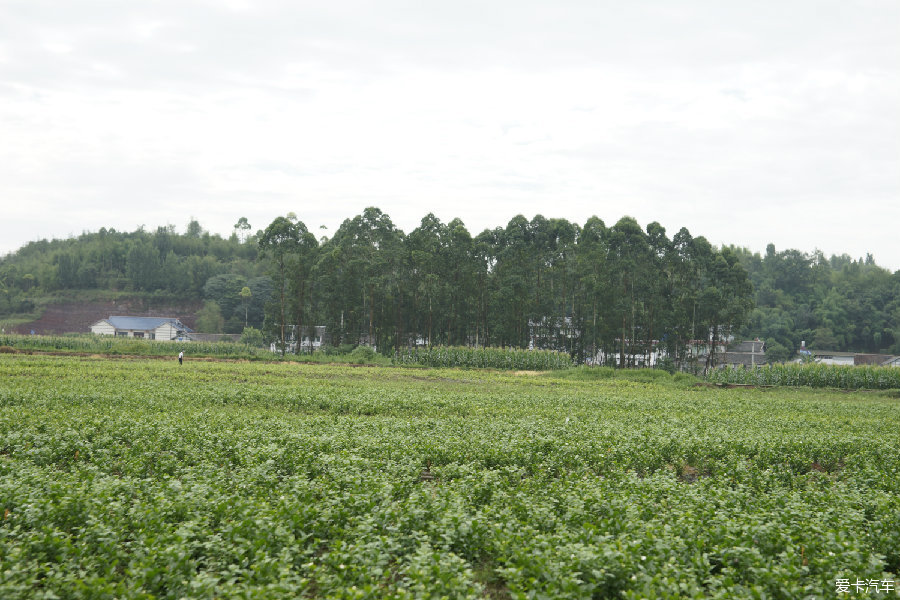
{"x":111,"y":272}
{"x":611,"y":293}
{"x":835,"y":303}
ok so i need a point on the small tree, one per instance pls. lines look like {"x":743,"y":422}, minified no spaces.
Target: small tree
{"x":246,"y":295}
{"x":253,"y":337}
{"x":242,"y":227}
{"x":194,"y":230}
{"x":210,"y":319}
{"x":777,"y":353}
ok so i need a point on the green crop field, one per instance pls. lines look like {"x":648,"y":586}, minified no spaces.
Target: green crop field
{"x":812,"y":375}
{"x":136,"y":478}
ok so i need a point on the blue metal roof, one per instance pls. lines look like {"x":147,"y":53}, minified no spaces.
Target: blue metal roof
{"x":144,"y":323}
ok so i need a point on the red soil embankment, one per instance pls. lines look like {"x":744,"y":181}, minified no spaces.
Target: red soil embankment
{"x":77,"y":317}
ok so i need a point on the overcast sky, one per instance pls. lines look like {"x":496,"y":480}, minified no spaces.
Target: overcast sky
{"x":746,"y":122}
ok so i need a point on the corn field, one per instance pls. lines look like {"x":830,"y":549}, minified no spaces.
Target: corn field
{"x":111,"y":345}
{"x":812,"y":375}
{"x":485,"y":358}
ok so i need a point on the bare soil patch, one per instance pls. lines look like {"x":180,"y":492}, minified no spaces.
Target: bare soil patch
{"x":77,"y":317}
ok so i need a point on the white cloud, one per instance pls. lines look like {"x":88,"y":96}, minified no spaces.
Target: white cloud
{"x":746,"y":123}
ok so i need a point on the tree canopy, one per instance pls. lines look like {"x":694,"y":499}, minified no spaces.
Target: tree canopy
{"x":591,"y":290}
{"x":616,"y":291}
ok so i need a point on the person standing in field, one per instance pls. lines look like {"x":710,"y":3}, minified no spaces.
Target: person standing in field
{"x":180,"y":357}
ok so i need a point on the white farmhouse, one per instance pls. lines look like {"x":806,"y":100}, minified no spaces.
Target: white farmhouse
{"x":150,"y":328}
{"x":829,"y":357}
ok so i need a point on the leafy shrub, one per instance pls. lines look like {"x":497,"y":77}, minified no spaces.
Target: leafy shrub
{"x":342,"y":349}
{"x":363,"y":354}
{"x":777,"y":353}
{"x":645,"y":375}
{"x":589,"y":373}
{"x":252,"y":336}
{"x":683,"y":378}
{"x":667,"y":364}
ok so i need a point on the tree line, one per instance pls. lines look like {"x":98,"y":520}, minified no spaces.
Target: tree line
{"x":619,"y":292}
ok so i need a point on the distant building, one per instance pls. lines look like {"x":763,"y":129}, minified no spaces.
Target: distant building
{"x":642,"y":354}
{"x":746,"y":354}
{"x":150,"y":328}
{"x":313,"y":339}
{"x":871,"y":359}
{"x":636,"y":355}
{"x":829,"y":357}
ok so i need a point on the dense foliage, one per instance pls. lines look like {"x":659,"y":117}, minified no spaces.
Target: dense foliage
{"x":143,"y":479}
{"x":485,"y":358}
{"x":185,"y":267}
{"x":240,"y":301}
{"x":813,"y":375}
{"x":831,"y":304}
{"x":614,"y":294}
{"x":139,"y":260}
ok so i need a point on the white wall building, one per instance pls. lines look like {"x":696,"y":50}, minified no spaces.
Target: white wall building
{"x":150,"y":328}
{"x":828,"y":357}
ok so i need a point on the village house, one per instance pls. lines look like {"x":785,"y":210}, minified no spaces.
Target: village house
{"x":874,"y":360}
{"x":150,"y":328}
{"x":829,"y":357}
{"x":746,"y":355}
{"x":855,"y":358}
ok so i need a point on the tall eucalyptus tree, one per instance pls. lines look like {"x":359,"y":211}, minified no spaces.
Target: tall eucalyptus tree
{"x":629,"y":255}
{"x":362,"y":269}
{"x":291,"y":248}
